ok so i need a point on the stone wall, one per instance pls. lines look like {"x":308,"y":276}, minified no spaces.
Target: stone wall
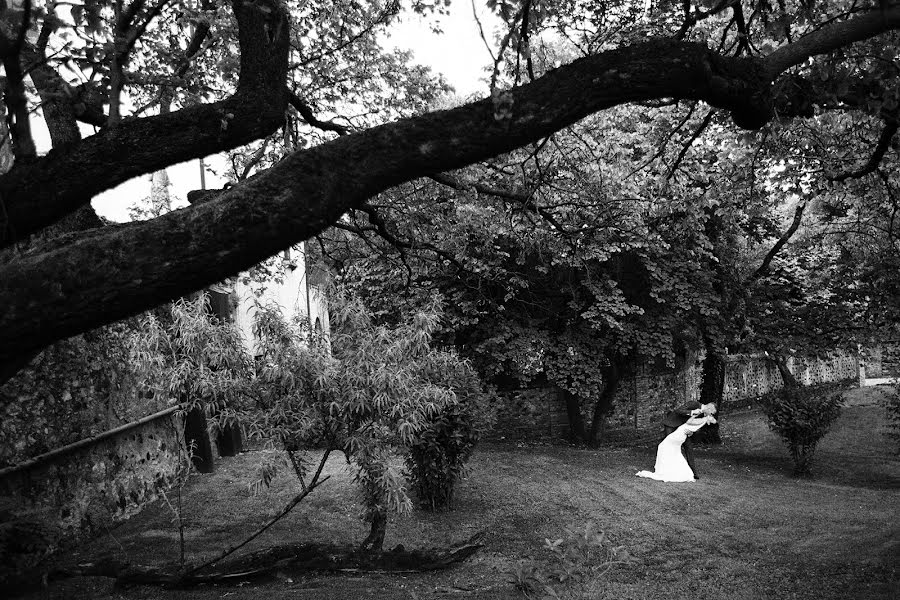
{"x":837,"y":366}
{"x":750,"y":377}
{"x":642,"y":400}
{"x":532,"y":413}
{"x":83,"y":488}
{"x":873,"y":362}
{"x":72,"y":390}
{"x":890,"y":359}
{"x":882,"y":360}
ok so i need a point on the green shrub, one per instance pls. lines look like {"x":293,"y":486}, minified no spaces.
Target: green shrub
{"x":575,"y":568}
{"x":437,"y":455}
{"x":371,"y":391}
{"x":436,"y":460}
{"x":802,"y":417}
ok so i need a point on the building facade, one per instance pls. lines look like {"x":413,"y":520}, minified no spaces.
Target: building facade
{"x":297,"y":292}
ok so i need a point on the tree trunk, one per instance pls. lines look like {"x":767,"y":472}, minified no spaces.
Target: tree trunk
{"x":62,"y":125}
{"x":138,"y":146}
{"x":711,"y":391}
{"x":375,"y":539}
{"x":604,"y":404}
{"x":790,"y":382}
{"x":577,"y":431}
{"x":63,"y":128}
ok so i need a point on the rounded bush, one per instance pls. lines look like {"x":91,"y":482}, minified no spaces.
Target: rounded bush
{"x":802,"y":417}
{"x":436,"y":457}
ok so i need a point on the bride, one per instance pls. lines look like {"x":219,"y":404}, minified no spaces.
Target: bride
{"x":670,"y":462}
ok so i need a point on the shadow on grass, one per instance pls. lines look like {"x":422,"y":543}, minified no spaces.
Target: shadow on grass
{"x":855,"y":453}
{"x":852,"y":471}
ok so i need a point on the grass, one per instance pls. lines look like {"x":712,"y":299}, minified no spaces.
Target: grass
{"x":746,"y":530}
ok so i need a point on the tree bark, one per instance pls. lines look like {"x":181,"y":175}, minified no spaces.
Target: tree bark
{"x":790,"y":382}
{"x":712,"y":389}
{"x":54,"y":91}
{"x":62,"y":124}
{"x":39,"y":192}
{"x":375,"y":540}
{"x":604,"y":403}
{"x":60,"y":118}
{"x":577,"y":431}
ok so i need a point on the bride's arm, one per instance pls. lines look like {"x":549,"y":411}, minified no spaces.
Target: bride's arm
{"x":695,"y":423}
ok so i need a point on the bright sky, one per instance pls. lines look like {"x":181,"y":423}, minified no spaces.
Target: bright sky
{"x":458,"y":53}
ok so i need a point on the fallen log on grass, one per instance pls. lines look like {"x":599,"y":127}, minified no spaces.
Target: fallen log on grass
{"x":287,"y":559}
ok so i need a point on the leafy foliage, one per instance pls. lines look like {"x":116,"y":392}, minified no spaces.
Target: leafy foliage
{"x":369,"y":391}
{"x":74,"y":389}
{"x":634,"y":247}
{"x":435,"y":458}
{"x":576,"y":267}
{"x":629,"y":238}
{"x":579,"y":561}
{"x":189,"y":356}
{"x":802,"y":417}
{"x":604,"y":270}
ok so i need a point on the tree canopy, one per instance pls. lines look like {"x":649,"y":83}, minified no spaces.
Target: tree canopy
{"x":758,"y":62}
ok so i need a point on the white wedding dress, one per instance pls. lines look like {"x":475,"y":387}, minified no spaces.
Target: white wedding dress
{"x":670,"y":462}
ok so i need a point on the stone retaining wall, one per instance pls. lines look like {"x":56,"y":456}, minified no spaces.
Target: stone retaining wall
{"x":85,"y":490}
{"x":641,"y":401}
{"x":882,"y":360}
{"x":890,"y":359}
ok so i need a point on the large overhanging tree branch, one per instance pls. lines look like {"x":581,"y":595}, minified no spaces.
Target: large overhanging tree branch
{"x":100,"y":276}
{"x":61,"y":120}
{"x":833,"y":37}
{"x":38,"y":192}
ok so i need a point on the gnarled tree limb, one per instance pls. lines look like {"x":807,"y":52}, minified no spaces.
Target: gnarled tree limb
{"x":830,"y":38}
{"x":776,"y":248}
{"x":309,"y":116}
{"x":881,"y":148}
{"x":41,"y":191}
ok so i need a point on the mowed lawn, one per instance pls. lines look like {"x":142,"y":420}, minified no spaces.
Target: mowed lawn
{"x":746,"y":530}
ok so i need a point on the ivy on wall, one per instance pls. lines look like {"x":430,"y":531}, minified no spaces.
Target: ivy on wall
{"x":74,"y":389}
